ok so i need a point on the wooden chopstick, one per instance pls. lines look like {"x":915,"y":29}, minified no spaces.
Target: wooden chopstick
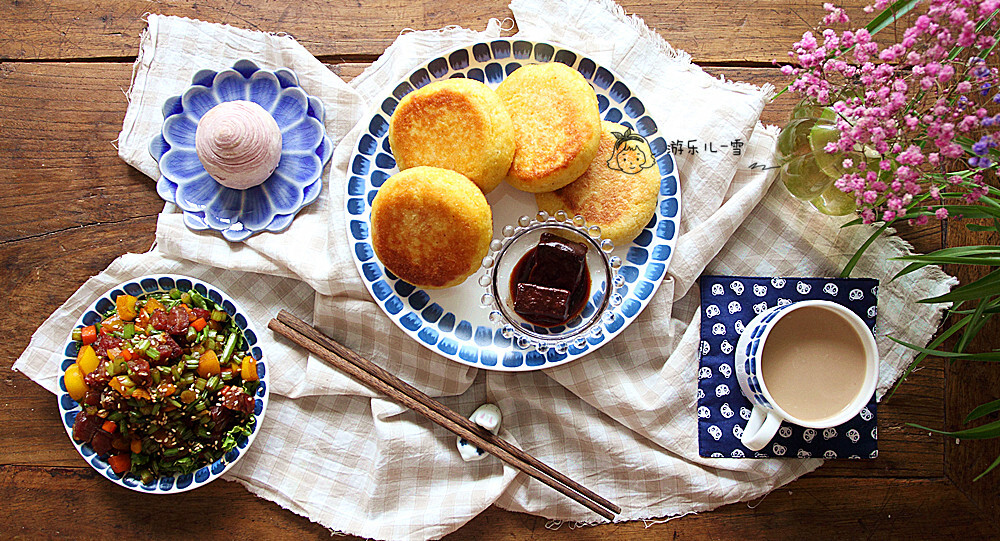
{"x":382,"y":381}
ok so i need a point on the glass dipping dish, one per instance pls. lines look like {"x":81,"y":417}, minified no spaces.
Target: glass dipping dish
{"x":517,"y":240}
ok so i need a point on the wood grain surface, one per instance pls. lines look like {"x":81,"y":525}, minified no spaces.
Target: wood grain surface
{"x":69,"y":206}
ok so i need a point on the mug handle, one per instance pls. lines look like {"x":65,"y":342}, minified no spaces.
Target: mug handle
{"x":761,"y":427}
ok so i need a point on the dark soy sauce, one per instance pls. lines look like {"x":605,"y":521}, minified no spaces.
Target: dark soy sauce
{"x":551,"y":282}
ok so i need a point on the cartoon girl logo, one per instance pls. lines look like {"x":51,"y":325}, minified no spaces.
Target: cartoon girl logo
{"x":630,"y":153}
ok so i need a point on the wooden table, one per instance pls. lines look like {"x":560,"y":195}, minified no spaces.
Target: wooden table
{"x":69,"y":206}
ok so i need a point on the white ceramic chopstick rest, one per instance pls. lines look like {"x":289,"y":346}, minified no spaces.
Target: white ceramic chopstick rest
{"x":487,"y":416}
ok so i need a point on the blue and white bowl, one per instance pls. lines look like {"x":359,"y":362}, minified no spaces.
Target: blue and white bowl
{"x":69,"y":408}
{"x":295,"y":183}
{"x":506,"y":254}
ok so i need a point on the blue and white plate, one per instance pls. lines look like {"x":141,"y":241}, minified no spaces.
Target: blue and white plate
{"x":69,"y":408}
{"x":296,"y":181}
{"x":450,"y":321}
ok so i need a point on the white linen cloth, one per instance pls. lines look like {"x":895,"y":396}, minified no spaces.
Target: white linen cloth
{"x":621,"y":420}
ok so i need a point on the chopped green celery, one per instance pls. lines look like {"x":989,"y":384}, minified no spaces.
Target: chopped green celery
{"x":198,"y":300}
{"x":129,"y":331}
{"x":227,"y":351}
{"x":175,"y":293}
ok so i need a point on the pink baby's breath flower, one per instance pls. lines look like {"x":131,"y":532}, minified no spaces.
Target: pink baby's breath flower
{"x":946,"y":73}
{"x":904,"y":104}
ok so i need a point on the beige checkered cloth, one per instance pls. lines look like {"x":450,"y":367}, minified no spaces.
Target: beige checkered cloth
{"x":621,"y":420}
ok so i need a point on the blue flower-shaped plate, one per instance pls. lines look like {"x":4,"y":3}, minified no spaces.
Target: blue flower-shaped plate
{"x":295,"y":183}
{"x":450,"y":321}
{"x":69,"y":408}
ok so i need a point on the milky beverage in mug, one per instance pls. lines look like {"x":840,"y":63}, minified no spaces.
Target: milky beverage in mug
{"x":816,"y":378}
{"x":811,"y":363}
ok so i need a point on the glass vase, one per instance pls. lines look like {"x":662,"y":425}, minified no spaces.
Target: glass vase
{"x":807,"y":170}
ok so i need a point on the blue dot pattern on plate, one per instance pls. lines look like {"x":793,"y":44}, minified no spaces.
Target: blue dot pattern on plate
{"x":69,"y":408}
{"x":728,"y":304}
{"x":407,"y":306}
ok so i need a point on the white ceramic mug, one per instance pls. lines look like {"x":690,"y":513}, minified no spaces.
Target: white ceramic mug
{"x":767,"y":415}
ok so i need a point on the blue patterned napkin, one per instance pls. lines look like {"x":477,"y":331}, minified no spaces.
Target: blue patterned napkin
{"x":728,"y":303}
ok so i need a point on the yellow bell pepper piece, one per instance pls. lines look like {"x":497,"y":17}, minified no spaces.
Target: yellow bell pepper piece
{"x":249,"y":369}
{"x":75,"y":385}
{"x":126,"y":307}
{"x":208,"y":364}
{"x":153,"y":304}
{"x":87,"y":359}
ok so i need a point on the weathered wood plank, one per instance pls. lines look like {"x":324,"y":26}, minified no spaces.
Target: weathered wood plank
{"x":38,"y":503}
{"x":58,"y":165}
{"x":970,"y":384}
{"x":809,"y":508}
{"x":39,"y":275}
{"x":710,"y":31}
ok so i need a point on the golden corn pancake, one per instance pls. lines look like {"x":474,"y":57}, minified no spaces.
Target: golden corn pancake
{"x":457,"y":124}
{"x":431,"y":226}
{"x":617,"y":192}
{"x":557,"y":126}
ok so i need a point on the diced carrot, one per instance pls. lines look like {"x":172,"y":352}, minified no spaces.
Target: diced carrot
{"x":120,"y":463}
{"x":141,"y":393}
{"x":127,"y":354}
{"x":109,"y":426}
{"x":88,"y":334}
{"x":114,"y":353}
{"x":126,"y":307}
{"x":199,"y":324}
{"x":208,"y":364}
{"x":136,"y":446}
{"x":249,"y":369}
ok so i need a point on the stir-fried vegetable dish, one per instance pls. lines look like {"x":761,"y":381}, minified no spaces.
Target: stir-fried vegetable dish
{"x":164,"y":384}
